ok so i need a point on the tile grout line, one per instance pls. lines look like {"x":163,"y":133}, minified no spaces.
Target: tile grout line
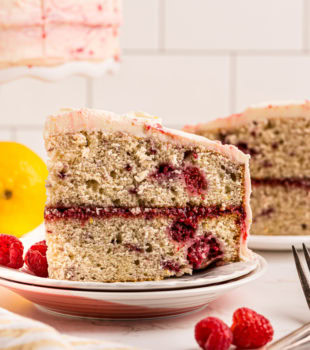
{"x":13,"y":133}
{"x":232,"y":82}
{"x":189,"y":52}
{"x":305,"y":26}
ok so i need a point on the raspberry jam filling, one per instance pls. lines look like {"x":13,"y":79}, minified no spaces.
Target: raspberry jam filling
{"x":301,"y":183}
{"x":191,"y":214}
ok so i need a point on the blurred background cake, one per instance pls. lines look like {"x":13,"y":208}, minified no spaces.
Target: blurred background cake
{"x":51,"y":32}
{"x":277,"y":138}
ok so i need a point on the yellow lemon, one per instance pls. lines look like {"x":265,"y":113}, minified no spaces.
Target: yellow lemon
{"x":22,"y":189}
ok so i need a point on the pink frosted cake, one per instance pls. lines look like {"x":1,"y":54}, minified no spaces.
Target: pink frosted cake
{"x":50,"y":32}
{"x":129,"y":200}
{"x":276,"y":137}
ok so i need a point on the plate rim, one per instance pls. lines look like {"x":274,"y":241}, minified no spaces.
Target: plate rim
{"x":276,"y":242}
{"x":172,"y":284}
{"x":256,"y":273}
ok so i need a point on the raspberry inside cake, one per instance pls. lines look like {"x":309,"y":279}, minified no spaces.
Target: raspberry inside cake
{"x":276,"y":137}
{"x":129,"y":200}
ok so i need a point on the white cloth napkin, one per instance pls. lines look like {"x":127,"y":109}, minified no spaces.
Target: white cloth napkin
{"x":21,"y":333}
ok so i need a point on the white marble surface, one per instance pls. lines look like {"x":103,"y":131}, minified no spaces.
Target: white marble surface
{"x":277,"y":295}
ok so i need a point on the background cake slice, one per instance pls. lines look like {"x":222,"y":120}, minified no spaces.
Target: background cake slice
{"x":129,"y":200}
{"x":277,"y":138}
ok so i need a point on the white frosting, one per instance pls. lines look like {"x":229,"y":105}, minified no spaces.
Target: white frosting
{"x":284,"y":109}
{"x":136,"y":123}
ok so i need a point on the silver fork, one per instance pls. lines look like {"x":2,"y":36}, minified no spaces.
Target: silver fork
{"x":300,"y":338}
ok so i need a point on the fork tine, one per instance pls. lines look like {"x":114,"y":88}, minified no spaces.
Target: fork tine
{"x":307,"y":256}
{"x":302,"y":277}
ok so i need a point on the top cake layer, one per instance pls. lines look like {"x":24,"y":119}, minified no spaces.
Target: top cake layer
{"x":275,"y":135}
{"x":135,"y":123}
{"x":274,"y":110}
{"x":100,"y":159}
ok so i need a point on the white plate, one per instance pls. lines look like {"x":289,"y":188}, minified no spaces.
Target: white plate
{"x":127,"y":305}
{"x":210,"y":276}
{"x":277,"y":242}
{"x":88,"y":69}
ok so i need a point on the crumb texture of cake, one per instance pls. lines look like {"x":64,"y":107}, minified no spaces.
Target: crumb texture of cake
{"x":280,"y":209}
{"x":52,"y":32}
{"x":138,"y":247}
{"x":125,"y":170}
{"x":129,"y":200}
{"x":276,"y":136}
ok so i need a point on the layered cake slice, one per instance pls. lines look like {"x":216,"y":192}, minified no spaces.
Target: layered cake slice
{"x":276,"y":137}
{"x":129,"y":200}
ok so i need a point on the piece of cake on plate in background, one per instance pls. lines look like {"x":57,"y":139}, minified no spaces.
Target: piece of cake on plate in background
{"x":277,"y":136}
{"x":52,"y":32}
{"x":129,"y":200}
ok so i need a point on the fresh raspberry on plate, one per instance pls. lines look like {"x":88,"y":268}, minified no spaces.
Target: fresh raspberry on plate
{"x":11,"y":251}
{"x":35,"y":259}
{"x":213,"y":334}
{"x":250,"y":329}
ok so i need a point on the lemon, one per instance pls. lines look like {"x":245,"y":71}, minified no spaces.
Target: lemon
{"x":22,"y":189}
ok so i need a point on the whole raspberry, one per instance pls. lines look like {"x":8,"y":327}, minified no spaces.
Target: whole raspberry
{"x":213,"y":334}
{"x":250,"y":329}
{"x":11,"y":251}
{"x":35,"y":259}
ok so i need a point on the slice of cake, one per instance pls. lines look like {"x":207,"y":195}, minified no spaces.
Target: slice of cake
{"x":276,"y":137}
{"x":52,"y":32}
{"x":129,"y":200}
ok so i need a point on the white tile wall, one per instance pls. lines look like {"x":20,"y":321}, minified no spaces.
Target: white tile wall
{"x":185,"y":60}
{"x":5,"y":135}
{"x":33,"y":138}
{"x":178,"y":88}
{"x":272,"y":78}
{"x":141,"y":24}
{"x":233,"y":25}
{"x":28,"y":102}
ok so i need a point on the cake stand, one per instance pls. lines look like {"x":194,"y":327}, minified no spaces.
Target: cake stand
{"x":54,"y":73}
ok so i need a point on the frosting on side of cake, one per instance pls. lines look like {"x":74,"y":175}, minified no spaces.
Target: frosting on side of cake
{"x":287,"y":109}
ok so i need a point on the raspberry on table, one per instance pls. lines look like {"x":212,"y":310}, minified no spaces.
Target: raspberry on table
{"x":250,"y":329}
{"x":213,"y":334}
{"x":11,"y":251}
{"x":35,"y":259}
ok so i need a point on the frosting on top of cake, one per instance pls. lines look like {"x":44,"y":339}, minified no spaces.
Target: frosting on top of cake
{"x":137,"y":123}
{"x":284,"y":109}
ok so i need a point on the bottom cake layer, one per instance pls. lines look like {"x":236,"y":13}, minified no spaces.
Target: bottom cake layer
{"x":280,"y":208}
{"x":151,"y":245}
